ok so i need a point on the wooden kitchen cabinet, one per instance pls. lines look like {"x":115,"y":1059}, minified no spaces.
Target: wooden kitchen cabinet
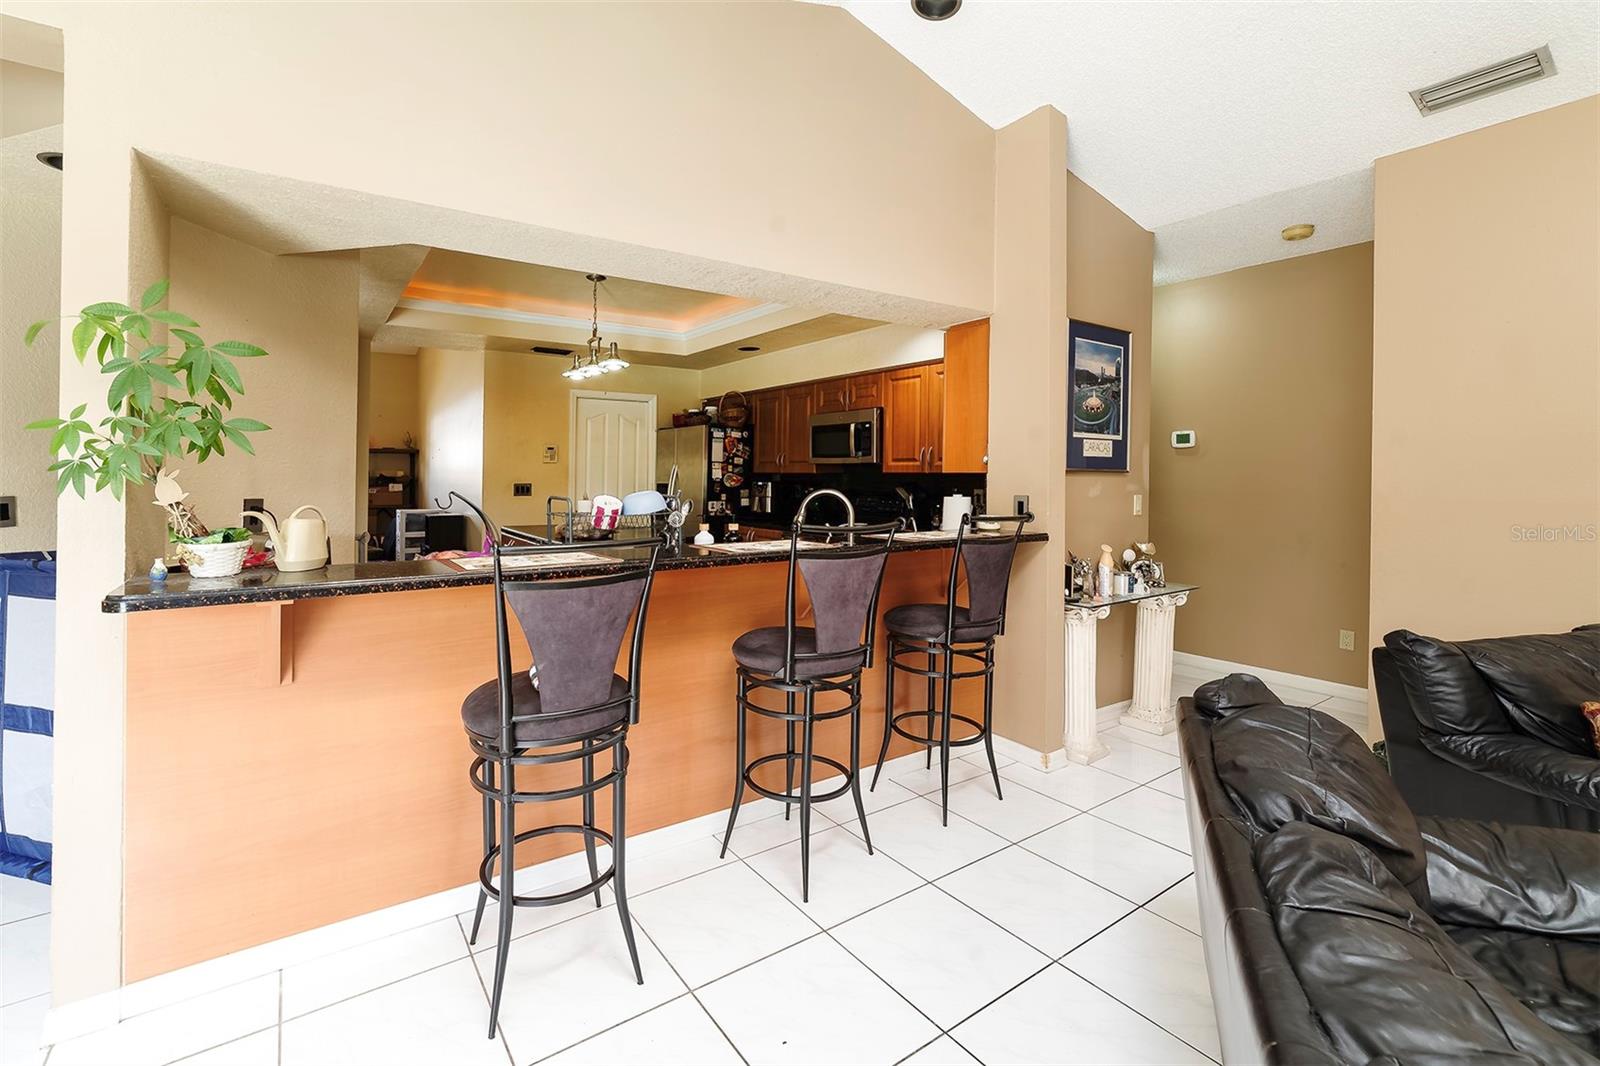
{"x":798,"y":403}
{"x":832,"y":395}
{"x":965,"y":438}
{"x":933,"y":416}
{"x":852,"y":393}
{"x":906,"y":433}
{"x":766,"y":410}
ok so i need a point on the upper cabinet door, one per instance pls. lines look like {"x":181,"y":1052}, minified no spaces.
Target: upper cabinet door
{"x":965,"y":438}
{"x":865,"y":390}
{"x":798,"y":403}
{"x":933,"y":417}
{"x":833,"y":395}
{"x":766,"y":410}
{"x":905,"y":401}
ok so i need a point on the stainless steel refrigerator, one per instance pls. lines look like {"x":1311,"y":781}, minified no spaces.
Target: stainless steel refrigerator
{"x":713,"y":463}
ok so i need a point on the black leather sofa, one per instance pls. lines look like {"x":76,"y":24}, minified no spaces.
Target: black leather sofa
{"x":1493,"y":728}
{"x":1339,"y":928}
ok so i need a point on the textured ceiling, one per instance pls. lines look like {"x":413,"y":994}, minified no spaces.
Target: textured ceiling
{"x":1178,"y":110}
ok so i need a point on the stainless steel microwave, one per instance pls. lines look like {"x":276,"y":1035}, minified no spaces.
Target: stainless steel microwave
{"x":845,"y":436}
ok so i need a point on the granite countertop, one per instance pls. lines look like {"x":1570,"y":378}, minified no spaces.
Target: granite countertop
{"x":266,"y":584}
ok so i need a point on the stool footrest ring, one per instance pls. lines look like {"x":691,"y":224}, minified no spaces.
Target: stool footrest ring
{"x":786,"y":797}
{"x":600,"y":836}
{"x":933,"y":742}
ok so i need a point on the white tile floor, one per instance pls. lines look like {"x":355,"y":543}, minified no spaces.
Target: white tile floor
{"x":1056,"y":926}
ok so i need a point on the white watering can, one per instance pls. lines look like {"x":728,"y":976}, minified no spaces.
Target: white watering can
{"x":299,"y":543}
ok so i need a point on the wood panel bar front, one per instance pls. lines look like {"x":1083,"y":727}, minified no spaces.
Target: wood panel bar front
{"x":277,"y":785}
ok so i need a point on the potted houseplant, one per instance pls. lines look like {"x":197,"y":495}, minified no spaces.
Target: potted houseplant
{"x":164,"y":402}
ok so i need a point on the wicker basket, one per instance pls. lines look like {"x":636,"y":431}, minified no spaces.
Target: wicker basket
{"x":213,"y":560}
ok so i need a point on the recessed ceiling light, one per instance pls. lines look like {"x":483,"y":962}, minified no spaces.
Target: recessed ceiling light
{"x":1298,"y":232}
{"x":936,"y":10}
{"x":50,"y":159}
{"x":749,"y":348}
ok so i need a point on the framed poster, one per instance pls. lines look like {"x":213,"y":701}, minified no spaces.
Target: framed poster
{"x":1098,"y":360}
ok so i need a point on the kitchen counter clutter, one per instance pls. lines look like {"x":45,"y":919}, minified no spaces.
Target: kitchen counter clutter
{"x":267,"y":584}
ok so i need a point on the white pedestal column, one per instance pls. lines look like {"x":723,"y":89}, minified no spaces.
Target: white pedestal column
{"x":1082,"y":740}
{"x":1152,"y":708}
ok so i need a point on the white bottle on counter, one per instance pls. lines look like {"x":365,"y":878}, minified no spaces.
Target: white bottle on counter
{"x":704,"y":537}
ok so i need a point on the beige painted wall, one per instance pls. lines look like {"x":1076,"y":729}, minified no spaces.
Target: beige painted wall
{"x":30,"y":289}
{"x":1486,"y":380}
{"x":1110,"y":260}
{"x":302,"y":310}
{"x":30,"y":98}
{"x":870,"y":349}
{"x":395,"y":408}
{"x":1271,"y":366}
{"x":527,"y":405}
{"x":450,"y":402}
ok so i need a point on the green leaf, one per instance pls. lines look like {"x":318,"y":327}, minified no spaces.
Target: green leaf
{"x":191,"y":340}
{"x":58,"y":439}
{"x":223,"y":367}
{"x":174,"y":318}
{"x":122,"y":385}
{"x":199,"y":367}
{"x":33,"y":331}
{"x":247,"y":425}
{"x":79,"y":472}
{"x":77,"y":412}
{"x":240,"y":349}
{"x":102,"y":348}
{"x":44,"y":423}
{"x":138,"y":325}
{"x":154,"y":294}
{"x":68,"y":475}
{"x":82,"y":334}
{"x":109,"y":309}
{"x":238,"y":438}
{"x":220,"y":394}
{"x":163,"y":375}
{"x":155,"y":351}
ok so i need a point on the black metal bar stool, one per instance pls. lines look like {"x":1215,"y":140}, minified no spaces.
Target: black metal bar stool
{"x":571,"y":707}
{"x":803,"y":662}
{"x":945,"y":631}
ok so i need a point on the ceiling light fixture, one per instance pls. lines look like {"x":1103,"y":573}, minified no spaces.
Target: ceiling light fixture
{"x":601,"y":359}
{"x":1298,"y":232}
{"x":935,"y":10}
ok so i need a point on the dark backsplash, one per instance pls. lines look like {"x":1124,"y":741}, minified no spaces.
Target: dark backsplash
{"x":864,"y":485}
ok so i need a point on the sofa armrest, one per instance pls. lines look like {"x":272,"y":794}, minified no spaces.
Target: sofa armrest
{"x":1531,"y":878}
{"x":1525,"y":763}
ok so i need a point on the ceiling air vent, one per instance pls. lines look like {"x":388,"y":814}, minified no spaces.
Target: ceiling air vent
{"x":1529,"y":66}
{"x":546,"y":350}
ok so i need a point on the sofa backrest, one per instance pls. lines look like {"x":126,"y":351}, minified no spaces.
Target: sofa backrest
{"x":1542,"y":680}
{"x":1448,"y":694}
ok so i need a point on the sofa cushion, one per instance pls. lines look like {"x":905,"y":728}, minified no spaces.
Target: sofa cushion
{"x":1447,"y":693}
{"x":1293,"y":764}
{"x":1542,"y":680}
{"x":1555,"y":977}
{"x":1220,"y":698}
{"x":1384,"y":978}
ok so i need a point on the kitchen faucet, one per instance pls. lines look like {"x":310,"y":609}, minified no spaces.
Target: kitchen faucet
{"x":849,"y":508}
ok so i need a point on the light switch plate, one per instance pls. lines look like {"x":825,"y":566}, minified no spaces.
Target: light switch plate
{"x":1138,"y":504}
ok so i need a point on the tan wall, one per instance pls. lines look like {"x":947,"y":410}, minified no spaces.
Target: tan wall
{"x":1271,"y":366}
{"x":302,"y":310}
{"x":30,"y":289}
{"x":395,"y":408}
{"x":30,"y":98}
{"x":869,"y":349}
{"x":1110,"y":260}
{"x":1486,"y":380}
{"x":450,"y":404}
{"x":527,"y":405}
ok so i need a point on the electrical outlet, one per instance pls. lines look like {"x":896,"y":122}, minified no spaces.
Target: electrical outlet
{"x":8,"y":510}
{"x":1019,"y":505}
{"x":1347,"y":640}
{"x":1138,"y":504}
{"x":522,"y":488}
{"x":254,"y":503}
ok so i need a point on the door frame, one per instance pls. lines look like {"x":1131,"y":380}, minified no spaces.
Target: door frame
{"x":573,"y":396}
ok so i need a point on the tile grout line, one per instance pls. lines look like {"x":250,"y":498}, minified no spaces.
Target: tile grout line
{"x":1131,"y":1007}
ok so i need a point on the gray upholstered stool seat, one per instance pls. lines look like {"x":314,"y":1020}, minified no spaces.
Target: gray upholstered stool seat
{"x":480,"y":712}
{"x":926,"y":621}
{"x":763,"y":650}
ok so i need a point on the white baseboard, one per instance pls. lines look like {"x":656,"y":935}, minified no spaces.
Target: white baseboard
{"x":1189,"y":663}
{"x":1105,"y":718}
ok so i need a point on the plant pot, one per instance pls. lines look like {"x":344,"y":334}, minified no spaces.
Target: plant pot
{"x":213,"y":560}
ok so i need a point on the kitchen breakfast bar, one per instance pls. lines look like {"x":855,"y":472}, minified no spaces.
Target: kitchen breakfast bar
{"x":295,"y":751}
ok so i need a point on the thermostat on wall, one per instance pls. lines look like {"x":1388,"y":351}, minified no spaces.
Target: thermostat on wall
{"x":1183,"y":438}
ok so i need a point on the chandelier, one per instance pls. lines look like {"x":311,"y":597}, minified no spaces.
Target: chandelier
{"x":596,"y":360}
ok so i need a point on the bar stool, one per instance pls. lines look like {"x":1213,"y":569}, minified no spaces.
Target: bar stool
{"x":803,"y":662}
{"x":574,"y":708}
{"x":945,"y":631}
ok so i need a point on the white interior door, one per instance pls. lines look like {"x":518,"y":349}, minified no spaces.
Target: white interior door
{"x":614,"y":444}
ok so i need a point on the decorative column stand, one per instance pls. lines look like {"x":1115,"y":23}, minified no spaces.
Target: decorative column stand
{"x":1082,"y":740}
{"x":1152,"y":708}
